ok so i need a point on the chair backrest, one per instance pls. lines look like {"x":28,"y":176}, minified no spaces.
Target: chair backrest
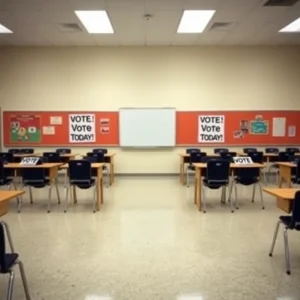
{"x":217,"y":171}
{"x":27,"y":150}
{"x":2,"y":172}
{"x":2,"y":248}
{"x":247,"y":150}
{"x":80,"y":171}
{"x":292,"y":149}
{"x":63,"y":150}
{"x":296,"y":212}
{"x":6,"y":157}
{"x":284,"y":156}
{"x":51,"y":157}
{"x":13,"y":150}
{"x":207,"y":158}
{"x":228,"y":156}
{"x":196,"y":157}
{"x":297,"y":171}
{"x":247,"y":173}
{"x":98,"y":156}
{"x":100,"y":150}
{"x":257,"y":157}
{"x":272,"y":150}
{"x":33,"y":175}
{"x":191,"y":150}
{"x":220,"y":150}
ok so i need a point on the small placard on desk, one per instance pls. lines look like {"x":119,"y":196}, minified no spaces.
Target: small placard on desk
{"x":31,"y":161}
{"x":242,"y":160}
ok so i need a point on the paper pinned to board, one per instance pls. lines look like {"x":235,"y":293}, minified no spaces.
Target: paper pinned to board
{"x":292,"y":131}
{"x":48,"y":130}
{"x":279,"y":127}
{"x":55,"y":120}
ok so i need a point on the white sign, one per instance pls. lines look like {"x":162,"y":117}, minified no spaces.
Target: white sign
{"x":31,"y":161}
{"x":292,"y":131}
{"x":55,"y":120}
{"x":48,"y":130}
{"x":82,"y":128}
{"x":279,"y":125}
{"x":211,"y":129}
{"x":242,"y":160}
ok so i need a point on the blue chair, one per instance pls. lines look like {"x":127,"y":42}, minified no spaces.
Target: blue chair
{"x":291,"y":222}
{"x":247,"y":150}
{"x":292,"y":150}
{"x":191,"y":150}
{"x":53,"y":157}
{"x":272,"y":150}
{"x":100,"y":150}
{"x":228,"y":156}
{"x":27,"y":151}
{"x":37,"y":178}
{"x":8,"y":261}
{"x":246,"y":177}
{"x":217,"y":176}
{"x":14,"y":150}
{"x":220,"y":150}
{"x":80,"y":175}
{"x":63,"y":150}
{"x":100,"y":158}
{"x":283,"y":156}
{"x":7,"y":157}
{"x":195,"y":157}
{"x":258,"y":157}
{"x":296,"y":172}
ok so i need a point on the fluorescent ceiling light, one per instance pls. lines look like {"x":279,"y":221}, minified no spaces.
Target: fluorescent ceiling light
{"x":292,"y":27}
{"x":194,"y":21}
{"x":95,"y":21}
{"x":3,"y":29}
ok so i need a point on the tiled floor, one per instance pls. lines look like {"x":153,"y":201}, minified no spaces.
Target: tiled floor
{"x":150,"y":243}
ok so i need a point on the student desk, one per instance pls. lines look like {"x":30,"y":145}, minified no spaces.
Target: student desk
{"x":267,"y":156}
{"x":5,"y":197}
{"x":184,"y":159}
{"x":284,"y":197}
{"x":98,"y":167}
{"x":68,"y":156}
{"x":285,"y":173}
{"x":198,"y":183}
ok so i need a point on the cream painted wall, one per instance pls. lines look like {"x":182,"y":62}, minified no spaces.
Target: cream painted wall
{"x":188,"y":78}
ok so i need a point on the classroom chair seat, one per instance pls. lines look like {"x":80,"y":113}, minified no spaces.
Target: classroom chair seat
{"x":291,"y":222}
{"x":195,"y":157}
{"x":100,"y":158}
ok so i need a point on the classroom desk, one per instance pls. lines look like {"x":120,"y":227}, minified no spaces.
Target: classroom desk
{"x":185,"y":159}
{"x":22,"y":155}
{"x":68,"y":156}
{"x":5,"y":197}
{"x":285,"y":173}
{"x":52,"y":167}
{"x":284,"y":197}
{"x":98,"y":167}
{"x":267,"y":156}
{"x":198,"y":182}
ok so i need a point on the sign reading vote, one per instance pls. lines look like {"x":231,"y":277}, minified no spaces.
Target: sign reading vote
{"x":82,"y":128}
{"x":31,"y":161}
{"x":242,"y":160}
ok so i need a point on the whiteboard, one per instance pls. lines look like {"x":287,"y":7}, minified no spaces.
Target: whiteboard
{"x":147,"y":127}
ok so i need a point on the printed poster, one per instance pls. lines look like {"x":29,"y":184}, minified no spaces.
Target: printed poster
{"x":82,"y":128}
{"x":25,"y":128}
{"x":211,"y":129}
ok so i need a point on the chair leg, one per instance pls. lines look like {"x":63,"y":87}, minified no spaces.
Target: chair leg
{"x":10,"y":285}
{"x":203,"y":199}
{"x":49,"y":199}
{"x":57,"y":191}
{"x":287,"y":251}
{"x":274,"y":238}
{"x":265,"y":178}
{"x":235,"y":198}
{"x":66,"y":178}
{"x":253,"y":194}
{"x":30,"y":194}
{"x":187,"y":178}
{"x":7,"y":231}
{"x":24,"y":280}
{"x":261,"y":196}
{"x":107,"y":178}
{"x":230,"y":191}
{"x":94,"y":198}
{"x":231,"y":206}
{"x":67,"y":194}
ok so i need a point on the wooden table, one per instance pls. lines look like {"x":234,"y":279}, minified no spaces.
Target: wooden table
{"x":284,"y":197}
{"x":22,"y":155}
{"x":185,"y":159}
{"x":5,"y":197}
{"x":285,"y":173}
{"x":98,"y":167}
{"x":198,"y":183}
{"x":267,"y":156}
{"x":68,"y":156}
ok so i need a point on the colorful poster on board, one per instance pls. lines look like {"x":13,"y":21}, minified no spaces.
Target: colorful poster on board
{"x":211,"y":129}
{"x":82,"y":128}
{"x":25,"y":128}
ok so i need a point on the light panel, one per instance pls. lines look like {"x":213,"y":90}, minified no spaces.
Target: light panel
{"x":3,"y":29}
{"x":292,"y":27}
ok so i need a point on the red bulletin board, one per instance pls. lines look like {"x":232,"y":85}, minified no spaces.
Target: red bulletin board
{"x":243,"y":127}
{"x":24,"y":128}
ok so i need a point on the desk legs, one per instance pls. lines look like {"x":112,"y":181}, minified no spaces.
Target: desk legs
{"x":181,"y":170}
{"x":198,"y":191}
{"x":99,"y":188}
{"x":112,"y":170}
{"x":285,"y":174}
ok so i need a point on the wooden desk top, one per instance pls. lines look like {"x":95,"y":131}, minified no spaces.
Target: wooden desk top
{"x":265,"y":154}
{"x":232,"y":165}
{"x":94,"y":166}
{"x":8,"y":195}
{"x":68,"y":154}
{"x":285,"y":164}
{"x":287,"y":193}
{"x":26,"y":154}
{"x":19,"y":166}
{"x":110,"y":154}
{"x":188,"y":155}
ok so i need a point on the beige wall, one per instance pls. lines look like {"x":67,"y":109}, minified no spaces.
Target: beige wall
{"x":188,"y":78}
